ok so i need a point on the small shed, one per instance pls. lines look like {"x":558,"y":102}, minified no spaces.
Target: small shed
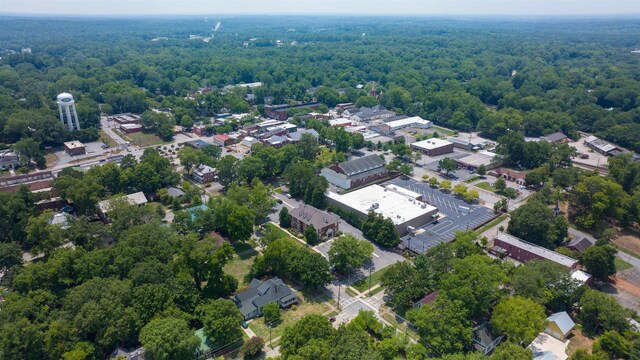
{"x":559,"y":325}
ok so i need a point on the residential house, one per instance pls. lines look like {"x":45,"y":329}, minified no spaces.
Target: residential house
{"x":294,"y":137}
{"x":105,"y":206}
{"x":428,"y":299}
{"x":523,"y":251}
{"x":276,"y":141}
{"x":9,"y":160}
{"x":559,"y":325}
{"x":204,"y":174}
{"x":252,"y":301}
{"x":356,"y":172}
{"x":484,"y":340}
{"x":581,"y":243}
{"x":326,"y":224}
{"x":136,"y":354}
{"x":174,"y":192}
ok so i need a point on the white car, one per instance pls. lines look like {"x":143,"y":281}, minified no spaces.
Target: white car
{"x":288,"y":196}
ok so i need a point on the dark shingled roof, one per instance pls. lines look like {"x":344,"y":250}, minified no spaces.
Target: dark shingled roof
{"x":555,"y":137}
{"x":262,"y":293}
{"x":309,"y":215}
{"x":360,"y":165}
{"x":580,"y":244}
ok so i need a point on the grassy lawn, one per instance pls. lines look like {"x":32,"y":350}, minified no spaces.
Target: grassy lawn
{"x":362,"y":285}
{"x":622,"y":265}
{"x":351,"y":292}
{"x":486,"y":186}
{"x":239,"y":268}
{"x":143,"y":139}
{"x":51,"y":158}
{"x":281,"y":233}
{"x":400,"y":325}
{"x":375,"y":291}
{"x":107,"y":139}
{"x":443,"y":130}
{"x":470,"y":180}
{"x":287,"y":318}
{"x":492,"y":223}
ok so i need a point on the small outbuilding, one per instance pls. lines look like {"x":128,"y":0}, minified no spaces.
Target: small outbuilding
{"x":74,"y":148}
{"x":559,"y":325}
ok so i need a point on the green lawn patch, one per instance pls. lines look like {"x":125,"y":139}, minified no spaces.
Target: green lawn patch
{"x":622,"y":265}
{"x":281,"y":233}
{"x":239,"y":267}
{"x":362,"y":285}
{"x":287,"y":318}
{"x":492,"y":223}
{"x":485,"y":186}
{"x":443,"y":130}
{"x":350,"y":292}
{"x":375,"y":291}
{"x":145,"y":139}
{"x":107,"y":139}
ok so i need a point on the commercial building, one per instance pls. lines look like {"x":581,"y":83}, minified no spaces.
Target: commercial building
{"x":602,"y":146}
{"x":304,"y":216}
{"x":356,"y":172}
{"x":222,"y":140}
{"x":204,"y":174}
{"x":473,"y":161}
{"x":125,"y":118}
{"x":365,"y":114}
{"x":402,"y":206}
{"x":34,"y":181}
{"x":197,"y":144}
{"x":340,"y":122}
{"x":251,"y":301}
{"x":433,"y":146}
{"x":276,"y":141}
{"x":517,"y":177}
{"x":9,"y":160}
{"x":280,"y":112}
{"x":130,"y":128}
{"x":248,"y":141}
{"x":523,"y":251}
{"x":294,"y":137}
{"x":468,"y":144}
{"x":410,"y":122}
{"x":74,"y":148}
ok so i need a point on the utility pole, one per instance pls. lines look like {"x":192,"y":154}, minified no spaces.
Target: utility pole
{"x":338,"y":296}
{"x":370,"y":268}
{"x":270,"y":343}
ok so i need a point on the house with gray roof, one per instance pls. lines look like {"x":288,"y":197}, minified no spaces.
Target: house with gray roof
{"x":559,"y":325}
{"x":356,"y":172}
{"x":260,"y":293}
{"x":326,"y":224}
{"x":556,"y":137}
{"x":365,"y":114}
{"x":9,"y":160}
{"x":294,"y":137}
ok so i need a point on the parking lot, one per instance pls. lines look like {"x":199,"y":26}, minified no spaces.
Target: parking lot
{"x":431,"y":163}
{"x":457,"y":215}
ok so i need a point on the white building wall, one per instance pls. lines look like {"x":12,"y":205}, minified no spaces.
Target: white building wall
{"x":336,"y":178}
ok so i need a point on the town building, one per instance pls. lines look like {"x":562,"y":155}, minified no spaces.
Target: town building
{"x":366,"y":114}
{"x":408,"y":122}
{"x":294,"y":137}
{"x":105,"y":206}
{"x":473,"y":161}
{"x":200,"y":130}
{"x":556,"y":137}
{"x":581,"y":243}
{"x":197,"y":144}
{"x":602,"y":146}
{"x":74,"y":148}
{"x":125,"y":118}
{"x":204,"y":174}
{"x":121,"y":353}
{"x":523,"y":251}
{"x":517,"y":177}
{"x":559,"y":325}
{"x":252,"y":301}
{"x":9,"y":160}
{"x":276,"y":141}
{"x":130,"y":128}
{"x":340,"y":122}
{"x":468,"y":144}
{"x":280,"y":112}
{"x":248,"y":141}
{"x":356,"y":172}
{"x":34,"y":181}
{"x":326,"y":224}
{"x":433,"y":146}
{"x":402,"y":206}
{"x":222,"y":140}
{"x":484,"y":339}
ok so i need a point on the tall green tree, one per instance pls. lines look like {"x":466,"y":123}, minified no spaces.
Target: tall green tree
{"x":519,"y":318}
{"x":221,"y":320}
{"x":168,"y":338}
{"x":348,"y":253}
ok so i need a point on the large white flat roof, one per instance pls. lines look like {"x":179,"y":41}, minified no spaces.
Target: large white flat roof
{"x":408,"y":121}
{"x":399,"y":206}
{"x":430,"y":144}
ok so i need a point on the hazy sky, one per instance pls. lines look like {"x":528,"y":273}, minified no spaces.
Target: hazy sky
{"x":347,"y":7}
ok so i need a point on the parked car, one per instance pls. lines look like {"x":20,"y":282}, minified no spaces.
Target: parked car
{"x":332,"y":319}
{"x":279,"y":201}
{"x":288,"y":196}
{"x":244,"y":325}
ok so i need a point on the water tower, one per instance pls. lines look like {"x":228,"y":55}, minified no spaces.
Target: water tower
{"x":68,"y":114}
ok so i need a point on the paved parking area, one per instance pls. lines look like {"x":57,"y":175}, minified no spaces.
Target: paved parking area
{"x":458,"y":215}
{"x":432,"y":164}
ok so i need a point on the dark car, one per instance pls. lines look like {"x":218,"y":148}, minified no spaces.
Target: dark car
{"x":244,"y":325}
{"x":279,"y":201}
{"x":332,"y":319}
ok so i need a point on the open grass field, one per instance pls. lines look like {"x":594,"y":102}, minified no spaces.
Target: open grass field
{"x":622,"y":265}
{"x":287,"y":318}
{"x":362,"y":285}
{"x":628,"y":243}
{"x":143,"y":139}
{"x":51,"y":159}
{"x":443,"y":130}
{"x":485,"y":186}
{"x":107,"y":139}
{"x":239,"y":268}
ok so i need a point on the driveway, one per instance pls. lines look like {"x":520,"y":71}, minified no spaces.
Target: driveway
{"x":546,"y":343}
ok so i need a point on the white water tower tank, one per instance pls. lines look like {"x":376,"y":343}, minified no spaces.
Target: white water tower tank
{"x":67,"y":110}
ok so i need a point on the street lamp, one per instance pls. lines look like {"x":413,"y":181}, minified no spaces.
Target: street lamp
{"x":370,"y":268}
{"x":339,"y":296}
